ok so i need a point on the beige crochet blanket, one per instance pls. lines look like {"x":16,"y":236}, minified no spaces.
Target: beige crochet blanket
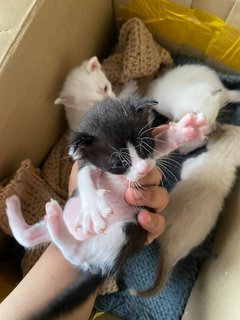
{"x":136,"y":56}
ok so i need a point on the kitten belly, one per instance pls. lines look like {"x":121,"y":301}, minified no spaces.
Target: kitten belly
{"x":100,"y":250}
{"x":114,"y":196}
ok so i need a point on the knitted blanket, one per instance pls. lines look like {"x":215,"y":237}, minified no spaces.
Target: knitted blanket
{"x":139,"y":272}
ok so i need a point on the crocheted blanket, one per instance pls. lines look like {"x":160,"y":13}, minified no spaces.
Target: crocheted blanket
{"x":139,"y":272}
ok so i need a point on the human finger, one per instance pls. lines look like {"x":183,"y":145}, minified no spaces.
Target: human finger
{"x":73,"y":179}
{"x":153,"y":178}
{"x":153,"y":223}
{"x":153,"y":197}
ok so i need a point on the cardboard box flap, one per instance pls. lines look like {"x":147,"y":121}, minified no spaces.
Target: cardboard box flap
{"x":46,"y":48}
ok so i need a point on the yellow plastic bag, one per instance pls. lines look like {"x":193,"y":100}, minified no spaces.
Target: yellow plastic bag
{"x":186,"y":26}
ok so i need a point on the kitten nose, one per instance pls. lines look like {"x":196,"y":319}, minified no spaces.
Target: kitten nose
{"x":143,"y":168}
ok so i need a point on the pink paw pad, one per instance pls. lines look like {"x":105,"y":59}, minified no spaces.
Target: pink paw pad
{"x":189,"y":120}
{"x":53,"y":216}
{"x":13,"y":203}
{"x":193,"y":127}
{"x":53,"y":206}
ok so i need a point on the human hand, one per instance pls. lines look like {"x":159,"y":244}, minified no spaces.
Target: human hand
{"x":73,"y":179}
{"x":152,"y":196}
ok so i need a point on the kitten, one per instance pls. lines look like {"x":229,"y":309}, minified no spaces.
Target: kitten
{"x":117,"y":143}
{"x":83,"y":86}
{"x":197,"y":200}
{"x":191,"y":88}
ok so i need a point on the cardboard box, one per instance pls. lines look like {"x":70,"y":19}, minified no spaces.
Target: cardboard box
{"x":40,"y":42}
{"x":51,"y":38}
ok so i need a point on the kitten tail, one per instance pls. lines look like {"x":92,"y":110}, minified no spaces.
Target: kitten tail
{"x":163,"y":272}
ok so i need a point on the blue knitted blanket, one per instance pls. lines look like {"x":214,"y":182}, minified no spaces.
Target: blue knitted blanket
{"x":139,"y":272}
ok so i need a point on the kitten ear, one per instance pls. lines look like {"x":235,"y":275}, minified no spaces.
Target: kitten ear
{"x":146,"y":102}
{"x":78,"y":142}
{"x":67,"y":101}
{"x":93,"y":64}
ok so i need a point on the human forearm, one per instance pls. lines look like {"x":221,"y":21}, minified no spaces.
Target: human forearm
{"x":46,"y":279}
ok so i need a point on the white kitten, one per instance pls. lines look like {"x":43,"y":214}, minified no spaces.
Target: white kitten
{"x":197,"y":200}
{"x":83,"y":86}
{"x":191,"y":88}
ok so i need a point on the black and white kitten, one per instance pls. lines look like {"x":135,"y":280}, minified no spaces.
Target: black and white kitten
{"x":117,"y":143}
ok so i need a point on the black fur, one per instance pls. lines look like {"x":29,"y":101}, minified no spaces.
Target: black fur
{"x":107,"y":128}
{"x":136,"y":238}
{"x":112,"y":124}
{"x":69,"y":299}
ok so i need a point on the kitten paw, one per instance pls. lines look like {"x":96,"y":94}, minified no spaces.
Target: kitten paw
{"x":191,"y":128}
{"x":92,"y":222}
{"x":53,"y":217}
{"x":13,"y":204}
{"x":94,"y":214}
{"x":53,"y":206}
{"x":105,"y":210}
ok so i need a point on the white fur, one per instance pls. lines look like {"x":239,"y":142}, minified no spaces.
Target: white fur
{"x":128,"y":89}
{"x":196,"y":201}
{"x":83,"y":86}
{"x":95,"y":209}
{"x":20,"y":229}
{"x":139,"y":167}
{"x":98,"y":250}
{"x":191,"y":88}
